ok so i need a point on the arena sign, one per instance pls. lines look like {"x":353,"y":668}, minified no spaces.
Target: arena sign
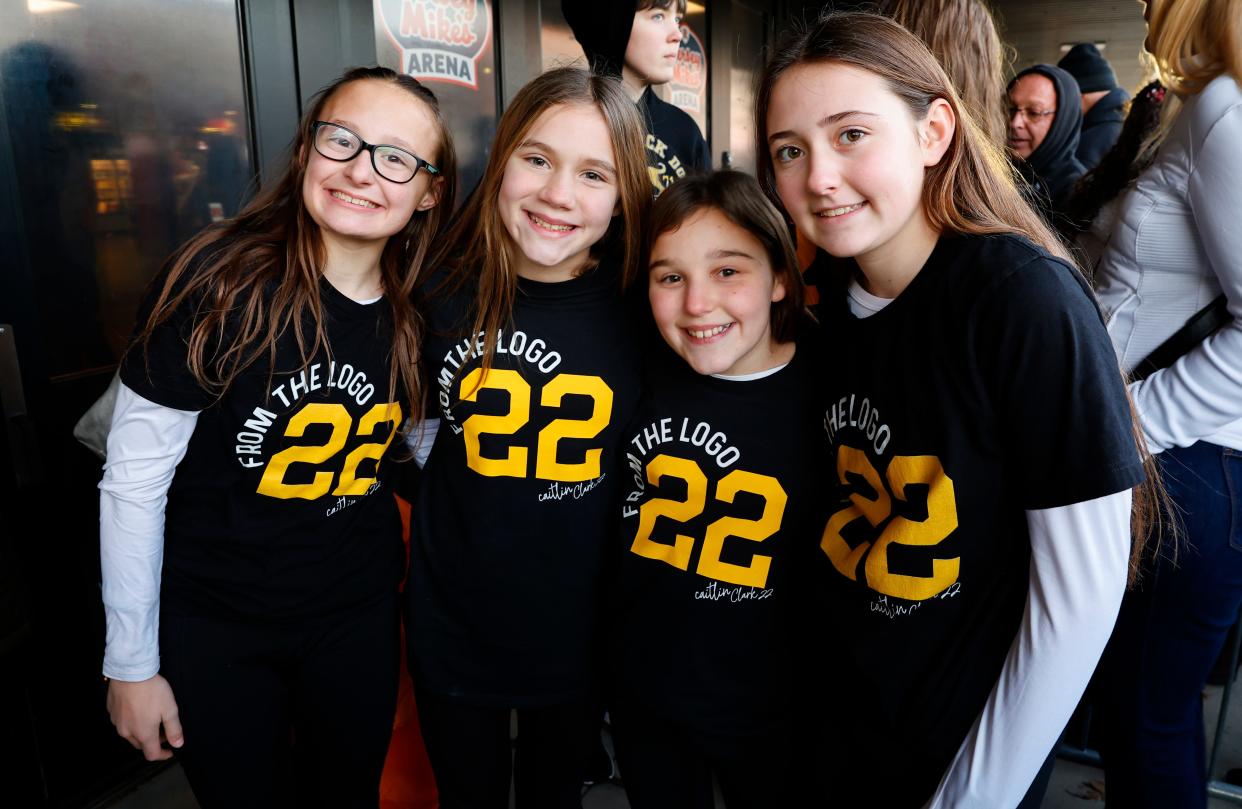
{"x":687,"y":89}
{"x":439,"y":40}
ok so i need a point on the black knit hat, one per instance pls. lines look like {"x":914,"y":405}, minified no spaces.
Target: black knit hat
{"x":1089,"y":68}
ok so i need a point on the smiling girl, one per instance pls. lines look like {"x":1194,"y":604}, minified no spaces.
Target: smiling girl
{"x":976,"y":421}
{"x":250,"y":548}
{"x":718,"y":484}
{"x":534,"y":371}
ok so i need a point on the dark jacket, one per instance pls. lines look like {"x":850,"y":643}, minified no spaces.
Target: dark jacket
{"x":674,"y":143}
{"x":1053,"y":168}
{"x":1101,"y":126}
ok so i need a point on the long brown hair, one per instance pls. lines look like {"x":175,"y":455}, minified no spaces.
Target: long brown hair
{"x":972,"y":190}
{"x":962,"y":35}
{"x":256,"y":277}
{"x":480,"y":252}
{"x":737,"y":196}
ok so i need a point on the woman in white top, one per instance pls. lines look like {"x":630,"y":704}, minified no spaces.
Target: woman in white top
{"x":1177,"y":246}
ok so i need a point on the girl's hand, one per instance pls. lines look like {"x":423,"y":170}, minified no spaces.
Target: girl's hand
{"x":139,"y":709}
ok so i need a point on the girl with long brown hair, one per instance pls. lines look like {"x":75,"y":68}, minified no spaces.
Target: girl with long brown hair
{"x":531,"y":361}
{"x":250,"y":546}
{"x":975,"y":419}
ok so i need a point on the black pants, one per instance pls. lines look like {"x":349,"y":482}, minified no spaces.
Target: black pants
{"x":472,"y":758}
{"x":669,"y":765}
{"x":295,"y":714}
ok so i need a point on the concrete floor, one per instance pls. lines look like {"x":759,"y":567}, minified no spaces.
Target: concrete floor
{"x":1073,"y":785}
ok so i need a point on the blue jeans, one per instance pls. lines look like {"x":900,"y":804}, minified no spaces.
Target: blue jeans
{"x":1168,"y":635}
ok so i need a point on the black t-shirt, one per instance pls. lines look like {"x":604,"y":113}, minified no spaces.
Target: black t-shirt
{"x":517,"y":500}
{"x":718,"y":487}
{"x":280,"y":507}
{"x":674,"y":143}
{"x":987,"y":388}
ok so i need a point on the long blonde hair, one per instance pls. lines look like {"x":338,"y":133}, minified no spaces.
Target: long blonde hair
{"x":1191,"y":42}
{"x":480,"y":252}
{"x":1194,"y":41}
{"x":962,"y":35}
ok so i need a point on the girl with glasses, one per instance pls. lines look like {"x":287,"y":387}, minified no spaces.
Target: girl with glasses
{"x":251,"y":549}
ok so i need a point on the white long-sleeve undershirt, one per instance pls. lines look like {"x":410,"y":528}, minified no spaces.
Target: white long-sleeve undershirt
{"x":145,"y":444}
{"x":1079,"y":560}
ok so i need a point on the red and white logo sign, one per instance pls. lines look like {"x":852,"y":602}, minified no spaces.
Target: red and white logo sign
{"x":687,"y":89}
{"x":439,"y":40}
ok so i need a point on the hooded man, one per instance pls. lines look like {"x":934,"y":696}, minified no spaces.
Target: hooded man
{"x":1045,"y":117}
{"x":1103,"y":102}
{"x":637,"y":41}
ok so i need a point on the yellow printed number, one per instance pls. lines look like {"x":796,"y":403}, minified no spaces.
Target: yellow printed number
{"x":876,"y":505}
{"x":710,"y":564}
{"x":350,"y":484}
{"x":677,"y":554}
{"x":756,"y":573}
{"x":273,"y":484}
{"x":547,"y":467}
{"x":515,"y":463}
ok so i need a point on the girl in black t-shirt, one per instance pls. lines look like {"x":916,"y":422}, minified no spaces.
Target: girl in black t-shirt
{"x":250,"y":546}
{"x":532,"y":363}
{"x":718,"y":482}
{"x":974,"y":416}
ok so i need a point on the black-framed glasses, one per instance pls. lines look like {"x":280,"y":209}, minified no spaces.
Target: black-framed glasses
{"x":393,"y":163}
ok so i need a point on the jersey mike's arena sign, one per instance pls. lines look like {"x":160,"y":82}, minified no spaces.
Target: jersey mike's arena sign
{"x":690,"y":73}
{"x":439,"y":40}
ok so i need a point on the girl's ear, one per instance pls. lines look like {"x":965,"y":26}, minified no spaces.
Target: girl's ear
{"x":432,"y":197}
{"x":936,"y":131}
{"x":778,"y":289}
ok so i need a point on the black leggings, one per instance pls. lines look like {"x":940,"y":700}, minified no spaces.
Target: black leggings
{"x":669,"y":765}
{"x":295,"y":714}
{"x":471,"y":755}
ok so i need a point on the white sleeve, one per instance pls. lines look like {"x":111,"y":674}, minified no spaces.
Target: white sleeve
{"x":1079,"y":560}
{"x":1202,"y":391}
{"x":145,"y":444}
{"x":420,"y":439}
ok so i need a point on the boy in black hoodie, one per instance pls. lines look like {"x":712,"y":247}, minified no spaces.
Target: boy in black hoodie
{"x":639,"y":45}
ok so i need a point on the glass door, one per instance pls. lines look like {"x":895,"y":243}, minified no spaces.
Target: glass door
{"x":123,"y":131}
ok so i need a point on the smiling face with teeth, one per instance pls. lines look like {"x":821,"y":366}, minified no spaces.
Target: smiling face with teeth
{"x":559,"y":192}
{"x":712,"y":287}
{"x":351,"y":204}
{"x":849,"y":160}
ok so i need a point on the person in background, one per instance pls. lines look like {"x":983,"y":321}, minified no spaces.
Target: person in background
{"x":1175,"y":251}
{"x":962,"y":35}
{"x":1093,"y":208}
{"x":640,"y":45}
{"x":1045,"y":119}
{"x":1103,"y":102}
